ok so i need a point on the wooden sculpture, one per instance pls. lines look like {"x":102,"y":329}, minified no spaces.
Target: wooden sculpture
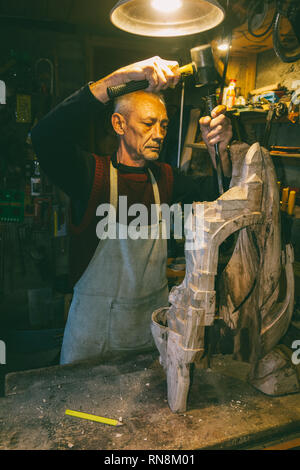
{"x":250,"y":303}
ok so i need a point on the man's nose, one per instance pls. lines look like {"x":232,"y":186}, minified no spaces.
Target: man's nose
{"x":158,"y":133}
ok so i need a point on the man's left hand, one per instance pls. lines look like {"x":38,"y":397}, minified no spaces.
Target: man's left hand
{"x":217,"y":129}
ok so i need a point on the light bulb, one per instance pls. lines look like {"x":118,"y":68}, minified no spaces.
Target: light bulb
{"x":224,"y":46}
{"x":166,"y":6}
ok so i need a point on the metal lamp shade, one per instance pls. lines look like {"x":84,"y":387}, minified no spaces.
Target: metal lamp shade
{"x":193,"y":16}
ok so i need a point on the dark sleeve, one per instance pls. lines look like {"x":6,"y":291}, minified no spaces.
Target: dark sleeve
{"x":56,"y":140}
{"x":188,"y":189}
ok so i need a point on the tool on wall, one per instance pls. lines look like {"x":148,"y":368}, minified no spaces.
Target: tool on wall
{"x":276,"y":111}
{"x":45,"y":78}
{"x":46,"y":84}
{"x":287,"y":10}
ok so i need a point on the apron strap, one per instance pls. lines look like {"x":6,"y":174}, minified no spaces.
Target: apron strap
{"x":113,"y":186}
{"x":155,"y":188}
{"x":114,"y":190}
{"x":156,"y":196}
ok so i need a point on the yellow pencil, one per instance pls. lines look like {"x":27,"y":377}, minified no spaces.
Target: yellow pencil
{"x":99,"y":419}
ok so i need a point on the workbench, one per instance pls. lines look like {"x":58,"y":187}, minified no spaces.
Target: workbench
{"x":224,"y":411}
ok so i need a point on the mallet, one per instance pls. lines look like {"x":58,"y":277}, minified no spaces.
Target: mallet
{"x":206,"y":76}
{"x":130,"y":87}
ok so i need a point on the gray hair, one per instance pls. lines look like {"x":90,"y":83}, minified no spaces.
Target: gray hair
{"x":123,"y":104}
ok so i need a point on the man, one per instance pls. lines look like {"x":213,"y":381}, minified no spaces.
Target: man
{"x":118,"y":283}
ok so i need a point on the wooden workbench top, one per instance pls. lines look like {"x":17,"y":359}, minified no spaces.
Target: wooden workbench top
{"x":224,"y":411}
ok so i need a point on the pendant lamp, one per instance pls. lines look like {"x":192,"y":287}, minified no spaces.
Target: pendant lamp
{"x":166,"y":18}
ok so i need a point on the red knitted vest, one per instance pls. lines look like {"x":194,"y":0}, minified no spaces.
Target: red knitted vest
{"x":138,"y":189}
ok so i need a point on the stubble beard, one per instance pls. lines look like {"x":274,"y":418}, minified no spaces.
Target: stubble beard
{"x":153,"y":157}
{"x":145,"y":157}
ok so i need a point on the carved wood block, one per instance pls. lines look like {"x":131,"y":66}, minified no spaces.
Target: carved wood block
{"x":248,"y":287}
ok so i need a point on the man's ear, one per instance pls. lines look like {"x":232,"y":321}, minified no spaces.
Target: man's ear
{"x":118,"y":123}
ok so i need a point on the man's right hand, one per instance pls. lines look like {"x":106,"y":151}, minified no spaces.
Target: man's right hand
{"x":160,"y":74}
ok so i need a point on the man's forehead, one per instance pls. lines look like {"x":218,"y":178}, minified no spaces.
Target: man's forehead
{"x":143,"y":103}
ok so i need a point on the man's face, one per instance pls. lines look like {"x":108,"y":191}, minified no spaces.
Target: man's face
{"x":146,"y":127}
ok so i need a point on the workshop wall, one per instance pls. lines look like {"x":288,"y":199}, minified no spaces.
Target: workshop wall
{"x":270,"y":69}
{"x":34,"y":253}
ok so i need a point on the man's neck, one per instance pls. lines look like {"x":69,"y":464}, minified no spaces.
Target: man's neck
{"x":127,"y":169}
{"x":124,"y":158}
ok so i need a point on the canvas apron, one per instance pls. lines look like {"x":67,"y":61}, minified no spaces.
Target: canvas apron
{"x":115,"y":297}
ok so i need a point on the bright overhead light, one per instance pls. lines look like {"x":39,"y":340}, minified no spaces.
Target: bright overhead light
{"x":224,"y":46}
{"x":166,"y":6}
{"x":163,"y":18}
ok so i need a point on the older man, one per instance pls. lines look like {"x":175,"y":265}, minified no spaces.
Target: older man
{"x":119,"y":282}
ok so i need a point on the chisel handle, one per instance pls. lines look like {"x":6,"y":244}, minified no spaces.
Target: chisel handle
{"x":211,"y":104}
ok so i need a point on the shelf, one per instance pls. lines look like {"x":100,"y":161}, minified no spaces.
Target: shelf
{"x":254,"y":116}
{"x":257,"y":116}
{"x":285,"y":155}
{"x":238,"y":111}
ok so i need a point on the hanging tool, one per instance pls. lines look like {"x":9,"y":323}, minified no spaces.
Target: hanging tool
{"x":276,"y":111}
{"x":43,"y":76}
{"x":290,"y":10}
{"x":269,"y":119}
